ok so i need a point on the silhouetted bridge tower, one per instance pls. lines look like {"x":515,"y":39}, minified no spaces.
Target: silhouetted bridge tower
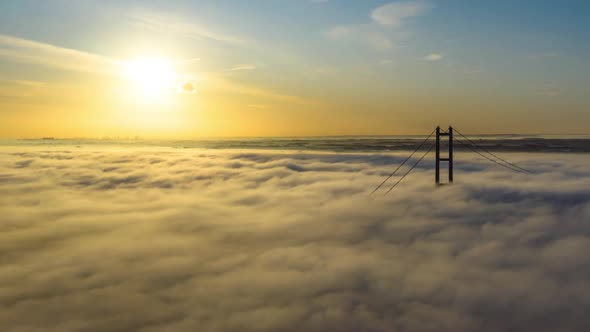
{"x":449,"y":158}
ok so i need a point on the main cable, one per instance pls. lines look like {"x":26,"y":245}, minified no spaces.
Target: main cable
{"x":402,"y":164}
{"x":488,"y":158}
{"x":408,"y":172}
{"x":486,"y":150}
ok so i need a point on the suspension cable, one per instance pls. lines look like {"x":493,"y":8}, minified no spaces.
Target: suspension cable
{"x":408,"y":172}
{"x":486,"y":150}
{"x":486,"y":157}
{"x":402,"y":164}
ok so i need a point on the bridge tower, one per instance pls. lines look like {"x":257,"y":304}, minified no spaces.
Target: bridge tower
{"x":449,"y":159}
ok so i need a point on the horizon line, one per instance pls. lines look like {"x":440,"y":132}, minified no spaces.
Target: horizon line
{"x":140,"y":138}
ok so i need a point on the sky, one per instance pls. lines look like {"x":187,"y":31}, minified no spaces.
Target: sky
{"x":144,"y":238}
{"x":188,"y":69}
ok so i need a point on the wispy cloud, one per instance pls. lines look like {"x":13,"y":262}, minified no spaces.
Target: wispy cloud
{"x":365,"y":33}
{"x":179,"y":25}
{"x":39,"y":94}
{"x":190,"y":60}
{"x":434,"y":57}
{"x":29,"y":51}
{"x":218,"y":83}
{"x":259,"y":106}
{"x":32,"y":52}
{"x":378,"y":32}
{"x":243,"y":67}
{"x":393,"y":14}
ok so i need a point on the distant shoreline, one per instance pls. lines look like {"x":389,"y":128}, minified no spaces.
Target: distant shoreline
{"x":342,"y":144}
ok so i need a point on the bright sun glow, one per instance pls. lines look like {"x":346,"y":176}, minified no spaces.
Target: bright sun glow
{"x":153,"y":79}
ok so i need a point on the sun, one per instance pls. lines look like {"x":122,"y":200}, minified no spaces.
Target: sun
{"x":151,"y":78}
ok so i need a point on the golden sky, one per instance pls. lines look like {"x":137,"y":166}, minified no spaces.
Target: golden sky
{"x":184,"y":70}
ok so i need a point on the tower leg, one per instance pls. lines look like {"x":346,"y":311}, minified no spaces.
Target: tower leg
{"x":437,"y":160}
{"x":450,"y":154}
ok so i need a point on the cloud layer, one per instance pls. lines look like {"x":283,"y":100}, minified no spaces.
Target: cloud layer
{"x":159,"y":239}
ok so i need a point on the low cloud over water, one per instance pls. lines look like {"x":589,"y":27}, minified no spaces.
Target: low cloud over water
{"x":159,"y":239}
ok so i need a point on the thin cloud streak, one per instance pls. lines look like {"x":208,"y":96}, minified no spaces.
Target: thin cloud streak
{"x":220,"y":83}
{"x":29,"y":51}
{"x":179,"y":25}
{"x":378,"y":33}
{"x":434,"y":57}
{"x":37,"y":53}
{"x":365,"y":33}
{"x":243,"y":67}
{"x":393,"y":14}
